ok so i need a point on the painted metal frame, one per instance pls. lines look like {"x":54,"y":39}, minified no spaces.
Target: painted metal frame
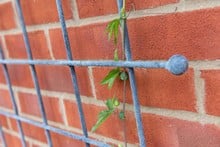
{"x":177,"y":65}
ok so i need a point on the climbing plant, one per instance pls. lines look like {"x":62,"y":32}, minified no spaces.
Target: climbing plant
{"x":113,"y":30}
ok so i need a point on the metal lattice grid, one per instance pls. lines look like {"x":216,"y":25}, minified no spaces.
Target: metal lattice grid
{"x":176,"y":65}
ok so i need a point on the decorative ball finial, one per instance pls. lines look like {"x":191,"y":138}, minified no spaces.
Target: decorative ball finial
{"x":177,"y":64}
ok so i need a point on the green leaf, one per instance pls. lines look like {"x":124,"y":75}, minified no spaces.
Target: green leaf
{"x":116,"y":102}
{"x":123,"y":75}
{"x":122,"y":115}
{"x":112,"y":103}
{"x":116,"y":55}
{"x":111,"y":77}
{"x":113,"y":29}
{"x":120,"y":145}
{"x":109,"y":103}
{"x":103,"y":115}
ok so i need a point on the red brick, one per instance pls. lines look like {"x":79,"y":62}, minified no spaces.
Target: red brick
{"x":20,"y":75}
{"x":63,"y":141}
{"x":34,"y":132}
{"x":12,"y":141}
{"x":163,"y":132}
{"x":13,"y":123}
{"x":41,"y":11}
{"x":5,"y":100}
{"x":3,"y":121}
{"x":2,"y":77}
{"x":96,"y":8}
{"x":148,"y":4}
{"x":156,"y":88}
{"x":16,"y":47}
{"x":7,"y":16}
{"x":29,"y":130}
{"x":87,"y":42}
{"x":194,"y":34}
{"x":51,"y":105}
{"x":112,"y":127}
{"x":212,"y":88}
{"x":57,"y":78}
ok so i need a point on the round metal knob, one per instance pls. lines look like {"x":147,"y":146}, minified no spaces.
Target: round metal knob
{"x":177,"y":64}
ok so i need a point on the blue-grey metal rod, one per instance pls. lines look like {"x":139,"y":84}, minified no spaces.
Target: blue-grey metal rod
{"x":33,"y":70}
{"x":3,"y":137}
{"x":12,"y":97}
{"x":140,"y":64}
{"x":54,"y":129}
{"x":72,"y":69}
{"x":177,"y":64}
{"x":128,"y":56}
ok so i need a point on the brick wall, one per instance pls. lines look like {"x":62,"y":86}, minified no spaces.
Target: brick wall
{"x":177,"y":111}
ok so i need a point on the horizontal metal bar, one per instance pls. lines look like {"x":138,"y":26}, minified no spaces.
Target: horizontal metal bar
{"x":177,"y":64}
{"x":141,"y":64}
{"x":54,"y":129}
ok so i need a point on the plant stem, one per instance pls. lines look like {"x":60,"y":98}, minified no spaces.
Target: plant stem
{"x":123,"y":21}
{"x":124,"y":120}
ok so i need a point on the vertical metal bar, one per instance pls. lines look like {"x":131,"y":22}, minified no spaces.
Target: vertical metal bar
{"x":132,"y":81}
{"x":33,"y":70}
{"x":72,"y":69}
{"x":8,"y":82}
{"x":3,"y":137}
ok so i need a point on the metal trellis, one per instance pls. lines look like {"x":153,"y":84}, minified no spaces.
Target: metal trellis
{"x":177,"y":65}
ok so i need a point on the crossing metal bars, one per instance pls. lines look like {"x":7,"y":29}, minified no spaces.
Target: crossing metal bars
{"x":177,"y":65}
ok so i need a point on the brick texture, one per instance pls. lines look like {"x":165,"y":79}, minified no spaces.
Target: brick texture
{"x":3,"y":121}
{"x":156,"y":88}
{"x":6,"y":16}
{"x":20,"y":75}
{"x":52,"y":108}
{"x":212,"y":83}
{"x":5,"y":100}
{"x":83,"y":40}
{"x":193,"y":34}
{"x":16,"y":47}
{"x":34,"y":132}
{"x":163,"y":131}
{"x":40,"y":11}
{"x":58,"y":141}
{"x":58,"y":78}
{"x":12,"y":140}
{"x":90,"y":8}
{"x":2,"y":78}
{"x":111,"y":128}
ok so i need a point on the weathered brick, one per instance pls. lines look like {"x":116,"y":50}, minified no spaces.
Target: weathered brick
{"x":51,"y":105}
{"x":164,"y":131}
{"x":156,"y":88}
{"x":212,"y":91}
{"x":194,"y":34}
{"x":87,"y":42}
{"x":91,"y":8}
{"x":57,"y":78}
{"x":5,"y":100}
{"x":7,"y":16}
{"x":41,"y":11}
{"x":16,"y":47}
